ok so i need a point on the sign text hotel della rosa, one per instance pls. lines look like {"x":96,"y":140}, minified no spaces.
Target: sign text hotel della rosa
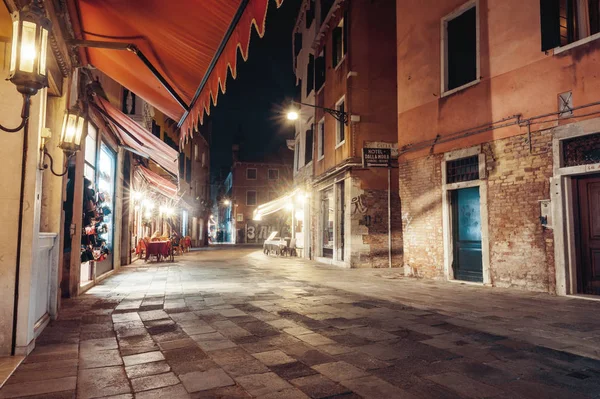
{"x":379,"y":154}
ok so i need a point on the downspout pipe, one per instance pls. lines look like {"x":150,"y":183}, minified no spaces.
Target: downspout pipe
{"x":19,"y":238}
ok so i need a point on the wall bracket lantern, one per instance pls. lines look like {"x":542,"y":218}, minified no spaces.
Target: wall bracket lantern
{"x":73,"y":127}
{"x":341,"y":116}
{"x":28,"y":60}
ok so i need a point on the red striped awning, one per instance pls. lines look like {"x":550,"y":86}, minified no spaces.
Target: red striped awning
{"x":158,"y":183}
{"x":185,"y":40}
{"x":138,"y":138}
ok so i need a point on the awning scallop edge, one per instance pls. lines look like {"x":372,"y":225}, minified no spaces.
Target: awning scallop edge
{"x":255,"y":14}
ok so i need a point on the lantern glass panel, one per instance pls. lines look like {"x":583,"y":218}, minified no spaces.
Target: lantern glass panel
{"x":43,"y":52}
{"x":13,"y":51}
{"x":28,"y":49}
{"x":71,"y":129}
{"x":79,"y":132}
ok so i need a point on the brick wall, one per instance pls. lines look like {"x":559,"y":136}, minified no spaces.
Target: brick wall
{"x":521,"y":251}
{"x":421,"y":198}
{"x":376,"y":234}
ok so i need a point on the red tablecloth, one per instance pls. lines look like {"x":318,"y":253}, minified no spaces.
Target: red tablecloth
{"x":158,"y":248}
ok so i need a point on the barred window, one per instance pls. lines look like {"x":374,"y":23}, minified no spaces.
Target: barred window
{"x":463,"y":169}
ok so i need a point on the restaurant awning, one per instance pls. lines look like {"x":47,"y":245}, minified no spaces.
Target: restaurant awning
{"x":190,"y":43}
{"x":277,"y":204}
{"x":137,"y":138}
{"x":158,"y":183}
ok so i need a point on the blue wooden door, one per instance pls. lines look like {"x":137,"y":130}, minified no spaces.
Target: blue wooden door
{"x":466,"y":235}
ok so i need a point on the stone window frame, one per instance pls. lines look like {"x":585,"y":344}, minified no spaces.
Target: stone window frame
{"x":561,"y":197}
{"x":444,"y":47}
{"x":447,"y":213}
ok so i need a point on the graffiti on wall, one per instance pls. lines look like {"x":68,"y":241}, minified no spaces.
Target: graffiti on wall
{"x":359,"y":205}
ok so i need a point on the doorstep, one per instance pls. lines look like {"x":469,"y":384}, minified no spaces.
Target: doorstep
{"x":8,"y":365}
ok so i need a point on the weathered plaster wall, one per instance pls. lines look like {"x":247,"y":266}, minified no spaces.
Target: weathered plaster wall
{"x":516,"y":76}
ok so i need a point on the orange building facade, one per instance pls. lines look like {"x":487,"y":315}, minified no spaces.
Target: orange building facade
{"x":498,"y":121}
{"x":345,"y":60}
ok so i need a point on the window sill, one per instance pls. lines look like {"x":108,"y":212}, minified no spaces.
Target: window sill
{"x":457,"y":89}
{"x":341,"y":143}
{"x":340,"y":63}
{"x":577,"y":43}
{"x":321,"y":89}
{"x":322,"y":157}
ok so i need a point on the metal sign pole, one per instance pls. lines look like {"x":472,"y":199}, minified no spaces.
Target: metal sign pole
{"x":390,"y":216}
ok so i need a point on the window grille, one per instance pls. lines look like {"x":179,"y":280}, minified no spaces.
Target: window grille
{"x":463,"y":169}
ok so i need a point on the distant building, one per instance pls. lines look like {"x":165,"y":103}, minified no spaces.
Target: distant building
{"x":249,"y":184}
{"x":345,"y":60}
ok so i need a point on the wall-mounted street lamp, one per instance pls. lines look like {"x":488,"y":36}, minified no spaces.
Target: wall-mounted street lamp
{"x":72,"y":132}
{"x":293,"y":113}
{"x":28,"y":71}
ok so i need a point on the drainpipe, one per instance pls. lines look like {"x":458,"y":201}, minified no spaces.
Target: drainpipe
{"x":390,"y":217}
{"x":19,"y":238}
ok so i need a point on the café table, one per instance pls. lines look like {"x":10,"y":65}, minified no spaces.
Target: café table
{"x":159,"y":249}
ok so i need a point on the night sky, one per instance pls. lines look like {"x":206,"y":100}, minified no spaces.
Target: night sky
{"x":250,"y":112}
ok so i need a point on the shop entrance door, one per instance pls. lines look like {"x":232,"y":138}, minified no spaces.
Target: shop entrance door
{"x":588,"y":262}
{"x":466,"y":235}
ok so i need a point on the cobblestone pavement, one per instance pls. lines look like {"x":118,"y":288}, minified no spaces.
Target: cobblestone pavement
{"x":234,"y":323}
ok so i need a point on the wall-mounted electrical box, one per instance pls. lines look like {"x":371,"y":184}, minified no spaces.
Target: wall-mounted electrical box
{"x":546,"y":213}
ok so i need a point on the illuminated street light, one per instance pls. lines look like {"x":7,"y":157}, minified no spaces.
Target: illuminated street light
{"x":226,"y":202}
{"x":292,"y":115}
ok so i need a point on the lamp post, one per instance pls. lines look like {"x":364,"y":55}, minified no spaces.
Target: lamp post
{"x":28,"y":55}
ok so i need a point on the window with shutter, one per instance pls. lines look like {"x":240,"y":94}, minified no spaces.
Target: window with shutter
{"x":308,"y":149}
{"x":338,"y":44}
{"x":310,"y":14}
{"x":310,"y":74}
{"x":460,"y":47}
{"x":566,"y":21}
{"x":320,"y":70}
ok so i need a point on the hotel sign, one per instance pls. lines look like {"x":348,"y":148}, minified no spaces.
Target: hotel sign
{"x":379,"y":154}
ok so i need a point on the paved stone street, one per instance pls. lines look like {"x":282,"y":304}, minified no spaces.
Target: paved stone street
{"x":234,"y":323}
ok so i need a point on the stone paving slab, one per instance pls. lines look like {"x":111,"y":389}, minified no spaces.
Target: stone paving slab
{"x":233,"y":323}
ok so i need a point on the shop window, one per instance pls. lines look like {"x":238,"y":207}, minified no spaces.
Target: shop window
{"x":463,"y":169}
{"x":327,"y":223}
{"x":459,"y":35}
{"x":251,"y":197}
{"x":340,"y":126}
{"x":567,"y":21}
{"x":251,"y":174}
{"x":321,"y":138}
{"x":273,"y":174}
{"x":310,"y":74}
{"x":308,"y":143}
{"x":320,"y":70}
{"x":339,"y":42}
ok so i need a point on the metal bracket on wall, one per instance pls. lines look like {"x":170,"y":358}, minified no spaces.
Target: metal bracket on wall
{"x":135,"y":50}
